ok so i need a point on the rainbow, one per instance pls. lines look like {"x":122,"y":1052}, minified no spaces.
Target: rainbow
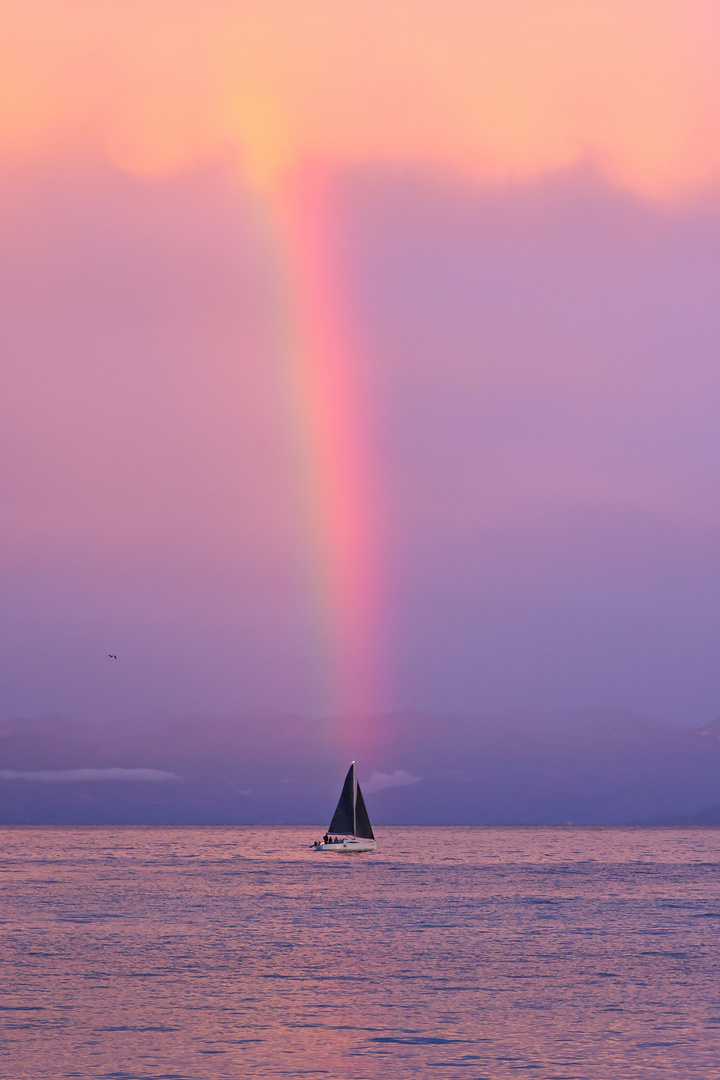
{"x":334,"y":459}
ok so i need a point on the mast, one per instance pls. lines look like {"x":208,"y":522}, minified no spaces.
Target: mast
{"x":354,"y":798}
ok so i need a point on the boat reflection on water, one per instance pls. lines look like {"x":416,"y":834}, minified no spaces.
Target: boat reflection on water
{"x":350,"y":831}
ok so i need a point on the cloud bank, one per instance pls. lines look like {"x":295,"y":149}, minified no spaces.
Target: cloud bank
{"x":400,"y":778}
{"x":74,"y":775}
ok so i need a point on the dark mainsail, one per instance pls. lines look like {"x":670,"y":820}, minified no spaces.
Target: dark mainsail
{"x":363,"y":828}
{"x":343,"y":821}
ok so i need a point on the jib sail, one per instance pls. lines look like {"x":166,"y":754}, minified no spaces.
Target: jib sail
{"x":363,"y":828}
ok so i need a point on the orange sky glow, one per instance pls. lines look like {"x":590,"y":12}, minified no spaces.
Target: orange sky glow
{"x":495,"y":88}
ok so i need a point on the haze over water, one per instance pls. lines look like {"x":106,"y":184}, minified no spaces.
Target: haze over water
{"x":481,"y":953}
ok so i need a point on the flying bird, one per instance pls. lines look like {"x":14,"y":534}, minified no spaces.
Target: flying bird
{"x":112,"y":656}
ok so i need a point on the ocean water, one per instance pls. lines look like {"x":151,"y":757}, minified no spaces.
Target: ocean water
{"x":226,"y":953}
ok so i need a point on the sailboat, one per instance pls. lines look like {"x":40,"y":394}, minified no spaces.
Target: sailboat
{"x":350,"y":830}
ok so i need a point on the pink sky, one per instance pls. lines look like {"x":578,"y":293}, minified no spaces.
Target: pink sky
{"x":359,"y":355}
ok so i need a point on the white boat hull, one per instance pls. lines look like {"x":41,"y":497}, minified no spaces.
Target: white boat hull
{"x":348,"y":847}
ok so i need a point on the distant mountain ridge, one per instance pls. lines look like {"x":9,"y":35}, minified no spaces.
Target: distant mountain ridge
{"x":709,"y":815}
{"x":601,"y":766}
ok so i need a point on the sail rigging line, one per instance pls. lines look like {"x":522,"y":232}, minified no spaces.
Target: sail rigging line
{"x":351,"y":817}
